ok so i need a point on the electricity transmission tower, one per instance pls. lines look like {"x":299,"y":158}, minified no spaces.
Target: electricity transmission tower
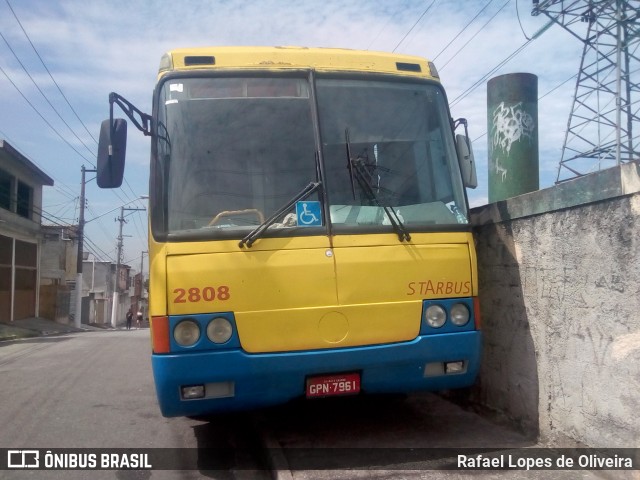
{"x":603,"y":125}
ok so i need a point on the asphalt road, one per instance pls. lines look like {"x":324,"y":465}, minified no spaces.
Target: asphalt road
{"x":95,"y":390}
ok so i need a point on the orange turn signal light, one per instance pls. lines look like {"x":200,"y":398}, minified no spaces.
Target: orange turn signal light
{"x":160,"y":334}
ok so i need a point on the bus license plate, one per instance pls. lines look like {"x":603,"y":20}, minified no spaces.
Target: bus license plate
{"x":330,"y":385}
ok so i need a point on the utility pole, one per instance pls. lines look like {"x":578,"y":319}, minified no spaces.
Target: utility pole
{"x":80,"y":258}
{"x":142,"y":265}
{"x":116,"y":287}
{"x":141,"y":279}
{"x":116,"y":290}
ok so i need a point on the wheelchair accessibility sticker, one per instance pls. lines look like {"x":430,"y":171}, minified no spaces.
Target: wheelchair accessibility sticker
{"x":308,"y":214}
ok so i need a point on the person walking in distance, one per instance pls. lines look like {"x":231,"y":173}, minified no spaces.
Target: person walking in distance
{"x":129,"y":318}
{"x":139,"y":319}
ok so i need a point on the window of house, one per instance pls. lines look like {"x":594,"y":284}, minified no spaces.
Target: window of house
{"x":5,"y":190}
{"x":6,"y":258}
{"x":26,"y":255}
{"x":25,"y":199}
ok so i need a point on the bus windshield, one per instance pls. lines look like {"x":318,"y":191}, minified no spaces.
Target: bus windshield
{"x":398,"y":136}
{"x":234,"y":150}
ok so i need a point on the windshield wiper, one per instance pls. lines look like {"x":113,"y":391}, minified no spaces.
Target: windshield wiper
{"x":347,"y":143}
{"x":260,"y":229}
{"x":357,"y":169}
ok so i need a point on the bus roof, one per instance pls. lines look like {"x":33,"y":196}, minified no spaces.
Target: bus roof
{"x":282,"y":58}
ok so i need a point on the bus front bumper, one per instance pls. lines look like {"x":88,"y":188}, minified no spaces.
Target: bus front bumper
{"x":234,"y":380}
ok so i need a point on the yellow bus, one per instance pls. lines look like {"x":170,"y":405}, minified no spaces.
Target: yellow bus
{"x":309,"y":231}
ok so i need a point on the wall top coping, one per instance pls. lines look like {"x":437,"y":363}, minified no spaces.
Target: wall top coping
{"x":606,"y":184}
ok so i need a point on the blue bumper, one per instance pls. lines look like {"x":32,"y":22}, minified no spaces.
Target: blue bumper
{"x":269,"y":379}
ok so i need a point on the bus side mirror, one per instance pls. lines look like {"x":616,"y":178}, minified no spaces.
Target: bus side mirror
{"x":112,"y":147}
{"x":466,"y":161}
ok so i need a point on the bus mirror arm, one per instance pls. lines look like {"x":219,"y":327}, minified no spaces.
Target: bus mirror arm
{"x":112,"y":145}
{"x":144,"y":124}
{"x":465,"y":155}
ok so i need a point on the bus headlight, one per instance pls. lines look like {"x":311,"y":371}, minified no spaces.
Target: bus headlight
{"x":459,"y":314}
{"x":186,"y":333}
{"x":219,"y":330}
{"x":435,"y":316}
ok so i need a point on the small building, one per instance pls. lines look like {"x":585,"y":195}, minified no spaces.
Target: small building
{"x":21,"y":183}
{"x":139,"y":298}
{"x":99,"y":281}
{"x":58,"y":262}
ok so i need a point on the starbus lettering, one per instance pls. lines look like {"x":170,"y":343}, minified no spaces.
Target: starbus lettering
{"x":429,"y":287}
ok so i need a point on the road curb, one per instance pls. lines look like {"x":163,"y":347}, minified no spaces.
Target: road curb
{"x":275,"y":457}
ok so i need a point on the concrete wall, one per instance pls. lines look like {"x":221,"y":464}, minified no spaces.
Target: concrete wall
{"x":559,"y":273}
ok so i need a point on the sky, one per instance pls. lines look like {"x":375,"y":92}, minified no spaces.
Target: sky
{"x":60,"y":59}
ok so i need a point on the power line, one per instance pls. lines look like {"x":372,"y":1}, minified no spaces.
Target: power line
{"x":94,"y":246}
{"x":519,"y":22}
{"x":441,"y":68}
{"x":501,"y":64}
{"x":43,"y":94}
{"x":49,"y":216}
{"x":59,"y":222}
{"x":55,"y":220}
{"x":63,"y":95}
{"x":50,"y":75}
{"x":126,"y":262}
{"x":64,"y":208}
{"x":55,"y":223}
{"x":463,"y":29}
{"x":53,"y":128}
{"x":539,"y":99}
{"x":605,"y":78}
{"x":100,"y":224}
{"x":491,"y":72}
{"x":121,"y":189}
{"x":44,"y":119}
{"x":68,"y":193}
{"x":558,"y":86}
{"x":139,"y":227}
{"x":414,"y":25}
{"x":389,"y":19}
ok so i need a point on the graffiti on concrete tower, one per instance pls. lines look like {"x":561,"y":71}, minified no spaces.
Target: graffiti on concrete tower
{"x":510,"y":125}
